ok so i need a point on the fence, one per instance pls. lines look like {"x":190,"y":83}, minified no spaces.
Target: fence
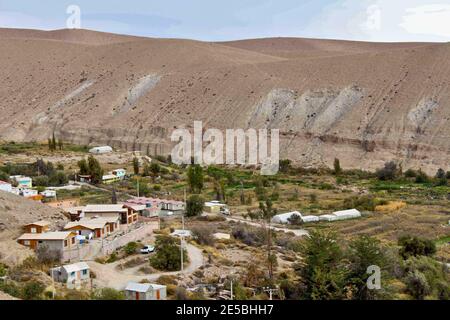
{"x":91,"y":250}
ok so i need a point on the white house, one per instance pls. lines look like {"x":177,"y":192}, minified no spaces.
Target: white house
{"x":27,"y":193}
{"x":5,"y":186}
{"x":181,"y":233}
{"x":145,"y":291}
{"x":284,"y":217}
{"x":49,"y":193}
{"x":100,"y":150}
{"x":120,"y":173}
{"x":22,"y":181}
{"x":74,"y":275}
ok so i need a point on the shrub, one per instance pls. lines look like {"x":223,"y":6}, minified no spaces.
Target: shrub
{"x":167,"y":256}
{"x":421,"y":177}
{"x":203,"y":235}
{"x":410,"y":173}
{"x":417,"y":285}
{"x":32,"y":290}
{"x":364,"y":203}
{"x":131,"y":248}
{"x":295,"y":220}
{"x":46,"y":256}
{"x":250,"y":236}
{"x":388,"y":172}
{"x":108,"y":294}
{"x":414,"y":246}
{"x":194,"y":206}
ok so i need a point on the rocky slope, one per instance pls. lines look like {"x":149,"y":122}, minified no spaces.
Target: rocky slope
{"x":364,"y":103}
{"x":15,"y":212}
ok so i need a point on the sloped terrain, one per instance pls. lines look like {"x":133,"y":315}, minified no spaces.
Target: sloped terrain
{"x":364,"y":103}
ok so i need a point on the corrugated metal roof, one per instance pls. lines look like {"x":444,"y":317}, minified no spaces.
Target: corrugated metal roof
{"x":79,"y":266}
{"x":59,"y":235}
{"x":42,"y":223}
{"x":104,"y":208}
{"x":142,"y":287}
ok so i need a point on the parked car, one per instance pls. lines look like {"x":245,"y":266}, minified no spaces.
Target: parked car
{"x":147,"y":249}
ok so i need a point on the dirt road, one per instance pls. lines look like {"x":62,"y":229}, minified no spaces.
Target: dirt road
{"x":107,"y":275}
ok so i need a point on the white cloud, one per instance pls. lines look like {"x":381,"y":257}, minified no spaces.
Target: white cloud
{"x":383,"y":20}
{"x":429,"y":19}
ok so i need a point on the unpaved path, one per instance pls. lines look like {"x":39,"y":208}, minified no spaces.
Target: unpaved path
{"x":297,"y":232}
{"x":108,"y":275}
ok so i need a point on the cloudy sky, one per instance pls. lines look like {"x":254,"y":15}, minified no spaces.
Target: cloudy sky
{"x":371,"y":20}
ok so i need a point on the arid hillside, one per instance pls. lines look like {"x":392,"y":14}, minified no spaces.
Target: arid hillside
{"x":364,"y":103}
{"x":15,"y":212}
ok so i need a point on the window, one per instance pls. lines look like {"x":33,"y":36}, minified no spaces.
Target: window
{"x":73,"y":240}
{"x":33,"y":230}
{"x":26,"y":242}
{"x":84,"y":272}
{"x":65,"y":243}
{"x":72,"y":274}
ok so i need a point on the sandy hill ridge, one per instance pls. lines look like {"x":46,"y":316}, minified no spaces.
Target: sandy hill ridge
{"x":364,"y":103}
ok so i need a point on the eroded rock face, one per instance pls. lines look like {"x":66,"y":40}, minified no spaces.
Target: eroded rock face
{"x":362,"y":103}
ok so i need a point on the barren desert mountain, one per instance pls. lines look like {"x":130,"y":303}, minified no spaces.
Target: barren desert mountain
{"x":364,"y":103}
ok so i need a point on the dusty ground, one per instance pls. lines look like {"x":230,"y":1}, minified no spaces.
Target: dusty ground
{"x":108,"y":275}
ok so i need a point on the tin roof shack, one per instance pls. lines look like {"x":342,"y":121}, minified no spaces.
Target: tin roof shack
{"x":145,"y":291}
{"x":73,"y":275}
{"x":57,"y":243}
{"x":214,"y":207}
{"x":94,"y":227}
{"x":37,"y":227}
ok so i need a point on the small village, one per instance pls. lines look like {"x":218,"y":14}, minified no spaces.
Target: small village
{"x":138,"y":230}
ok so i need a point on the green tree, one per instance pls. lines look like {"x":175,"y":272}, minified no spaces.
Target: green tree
{"x":364,"y":252}
{"x":168,"y":254}
{"x":194,"y":205}
{"x":95,"y":170}
{"x":83,"y":167}
{"x":414,"y":246}
{"x":53,"y":141}
{"x":136,"y":165}
{"x":285,"y":165}
{"x":195,"y":178}
{"x":60,"y":144}
{"x":32,"y":290}
{"x":322,"y":275}
{"x":440,"y":174}
{"x":337,"y":167}
{"x":155,"y":169}
{"x":131,"y":248}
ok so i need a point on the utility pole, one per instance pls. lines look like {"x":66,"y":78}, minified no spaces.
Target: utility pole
{"x":137,"y":191}
{"x":185,"y":206}
{"x":270,"y":291}
{"x":181,"y":250}
{"x":231,"y":290}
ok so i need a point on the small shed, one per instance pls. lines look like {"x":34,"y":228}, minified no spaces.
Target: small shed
{"x":214,"y":207}
{"x":145,"y":291}
{"x":74,"y":275}
{"x":284,"y":217}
